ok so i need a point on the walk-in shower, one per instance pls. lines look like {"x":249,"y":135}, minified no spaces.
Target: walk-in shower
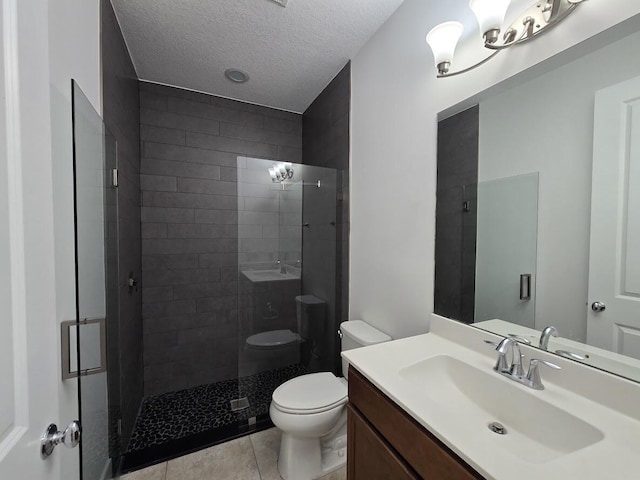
{"x":253,"y":265}
{"x":225,"y":266}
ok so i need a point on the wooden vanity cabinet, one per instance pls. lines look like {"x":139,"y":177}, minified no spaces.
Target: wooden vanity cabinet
{"x":385,"y":443}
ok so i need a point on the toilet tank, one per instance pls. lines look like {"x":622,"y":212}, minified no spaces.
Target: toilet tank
{"x":311,"y":316}
{"x":356,"y":334}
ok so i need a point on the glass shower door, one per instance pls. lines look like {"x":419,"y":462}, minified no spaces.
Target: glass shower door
{"x":94,"y":157}
{"x":507,"y":236}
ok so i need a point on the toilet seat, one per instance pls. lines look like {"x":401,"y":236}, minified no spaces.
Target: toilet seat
{"x":311,"y":393}
{"x":272,"y":339}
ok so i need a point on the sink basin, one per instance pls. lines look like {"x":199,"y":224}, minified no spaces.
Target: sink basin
{"x":537,"y":431}
{"x":270,"y":275}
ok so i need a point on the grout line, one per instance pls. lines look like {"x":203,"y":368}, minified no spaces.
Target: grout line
{"x":255,"y":457}
{"x":166,"y":469}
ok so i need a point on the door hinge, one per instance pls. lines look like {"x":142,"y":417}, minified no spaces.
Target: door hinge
{"x":114,"y":177}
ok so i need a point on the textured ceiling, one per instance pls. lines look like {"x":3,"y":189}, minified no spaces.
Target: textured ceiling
{"x":290,"y":53}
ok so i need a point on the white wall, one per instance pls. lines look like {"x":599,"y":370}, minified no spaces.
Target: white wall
{"x":554,"y":116}
{"x":395,"y":102}
{"x":74,"y":52}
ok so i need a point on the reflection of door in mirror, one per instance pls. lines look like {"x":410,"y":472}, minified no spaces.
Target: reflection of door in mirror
{"x":506,"y":249}
{"x":614,"y":262}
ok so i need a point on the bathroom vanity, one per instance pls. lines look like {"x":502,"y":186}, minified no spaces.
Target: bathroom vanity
{"x":384,"y":442}
{"x":433,"y":407}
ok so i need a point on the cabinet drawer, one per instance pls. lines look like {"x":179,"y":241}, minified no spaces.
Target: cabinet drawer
{"x":427,"y":455}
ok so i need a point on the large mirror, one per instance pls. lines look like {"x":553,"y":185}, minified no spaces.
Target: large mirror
{"x":538,"y":213}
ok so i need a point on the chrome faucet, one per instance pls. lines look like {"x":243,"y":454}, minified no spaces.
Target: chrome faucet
{"x":281,"y":266}
{"x":547,"y":333}
{"x":513,"y":370}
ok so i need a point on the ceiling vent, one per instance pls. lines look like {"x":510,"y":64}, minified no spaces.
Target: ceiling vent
{"x":282,"y":3}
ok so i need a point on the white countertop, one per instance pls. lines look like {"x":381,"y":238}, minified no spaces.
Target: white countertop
{"x":608,"y":403}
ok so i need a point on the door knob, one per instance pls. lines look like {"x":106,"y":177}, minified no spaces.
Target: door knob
{"x":52,"y":438}
{"x":598,"y":307}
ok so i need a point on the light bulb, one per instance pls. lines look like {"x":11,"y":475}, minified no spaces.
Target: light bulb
{"x":443,"y":40}
{"x":490,"y":15}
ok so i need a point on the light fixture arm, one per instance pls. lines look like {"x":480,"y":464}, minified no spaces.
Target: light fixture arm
{"x":535,"y":21}
{"x":468,"y":69}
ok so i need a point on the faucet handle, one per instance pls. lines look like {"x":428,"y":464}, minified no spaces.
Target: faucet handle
{"x":571,"y":355}
{"x":533,"y":376}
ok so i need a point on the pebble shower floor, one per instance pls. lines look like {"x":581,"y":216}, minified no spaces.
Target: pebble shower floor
{"x":185,"y":414}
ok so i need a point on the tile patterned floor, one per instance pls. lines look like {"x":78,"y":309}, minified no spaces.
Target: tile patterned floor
{"x":253,"y":457}
{"x":177,"y":415}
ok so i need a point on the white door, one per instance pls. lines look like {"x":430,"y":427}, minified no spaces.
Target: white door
{"x":614,"y":265}
{"x":29,"y":366}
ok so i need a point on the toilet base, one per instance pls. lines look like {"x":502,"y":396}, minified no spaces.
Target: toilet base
{"x":310,"y":458}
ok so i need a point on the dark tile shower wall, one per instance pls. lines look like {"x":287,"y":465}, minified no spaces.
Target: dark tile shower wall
{"x":190,"y":145}
{"x":326,"y":143}
{"x":121,"y":116}
{"x":456,"y":215}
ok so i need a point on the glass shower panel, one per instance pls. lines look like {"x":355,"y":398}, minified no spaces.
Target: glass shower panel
{"x":269,"y":266}
{"x":95,"y":225}
{"x":287,"y":244}
{"x":507,"y":235}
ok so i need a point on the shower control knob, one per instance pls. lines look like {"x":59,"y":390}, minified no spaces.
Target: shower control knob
{"x":598,"y":307}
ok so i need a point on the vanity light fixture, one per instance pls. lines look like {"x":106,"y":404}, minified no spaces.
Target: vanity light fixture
{"x":536,"y":20}
{"x":281,"y":172}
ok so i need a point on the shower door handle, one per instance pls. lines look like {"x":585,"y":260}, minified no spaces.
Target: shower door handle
{"x":68,"y":347}
{"x":525,"y":286}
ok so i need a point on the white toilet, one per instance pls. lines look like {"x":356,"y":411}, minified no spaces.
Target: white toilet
{"x":270,"y":350}
{"x":279,"y":348}
{"x":310,"y":411}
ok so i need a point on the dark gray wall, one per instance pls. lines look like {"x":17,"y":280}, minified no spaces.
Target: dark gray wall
{"x":326,"y":143}
{"x":190,"y":143}
{"x":121,"y":116}
{"x":455,"y":249}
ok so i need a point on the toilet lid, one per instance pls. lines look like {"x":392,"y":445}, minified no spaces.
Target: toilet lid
{"x":272,"y":339}
{"x":312,"y":393}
